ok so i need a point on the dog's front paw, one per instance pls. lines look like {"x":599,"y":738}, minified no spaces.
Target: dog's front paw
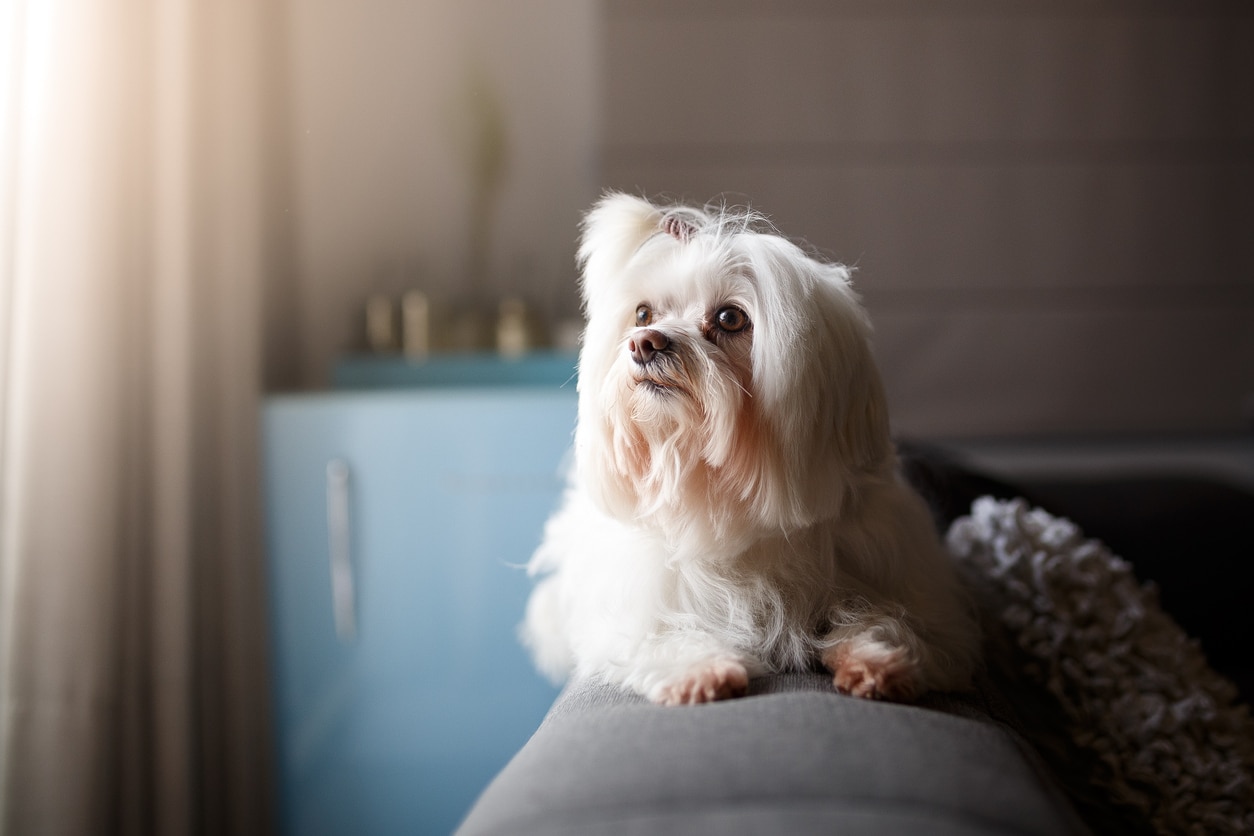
{"x":717,"y":680}
{"x":873,"y":670}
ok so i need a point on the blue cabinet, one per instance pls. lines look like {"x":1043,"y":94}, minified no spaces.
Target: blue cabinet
{"x":397,"y":525}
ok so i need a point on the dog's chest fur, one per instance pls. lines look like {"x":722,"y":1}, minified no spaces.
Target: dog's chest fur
{"x":775,"y":599}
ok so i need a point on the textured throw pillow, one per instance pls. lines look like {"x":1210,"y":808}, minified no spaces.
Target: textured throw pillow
{"x":1165,"y":733}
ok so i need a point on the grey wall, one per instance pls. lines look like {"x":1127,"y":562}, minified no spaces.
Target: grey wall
{"x":1049,"y":203}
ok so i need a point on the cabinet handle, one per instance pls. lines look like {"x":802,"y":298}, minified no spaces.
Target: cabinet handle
{"x":343,"y":593}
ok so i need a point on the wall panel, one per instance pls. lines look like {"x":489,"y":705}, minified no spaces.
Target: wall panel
{"x":1049,"y":203}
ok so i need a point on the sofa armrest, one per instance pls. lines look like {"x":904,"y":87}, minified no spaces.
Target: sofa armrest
{"x":792,"y":757}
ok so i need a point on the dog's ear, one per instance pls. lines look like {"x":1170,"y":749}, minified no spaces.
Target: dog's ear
{"x":852,"y":429}
{"x":612,"y":232}
{"x":616,"y":227}
{"x":817,"y":378}
{"x":861,"y":413}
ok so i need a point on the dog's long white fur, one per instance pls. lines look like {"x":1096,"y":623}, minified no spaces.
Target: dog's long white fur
{"x":747,"y":515}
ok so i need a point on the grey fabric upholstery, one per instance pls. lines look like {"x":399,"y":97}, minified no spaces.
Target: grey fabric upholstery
{"x":792,"y":757}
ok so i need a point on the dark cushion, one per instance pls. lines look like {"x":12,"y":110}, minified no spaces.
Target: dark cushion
{"x":1189,"y":534}
{"x":792,"y":757}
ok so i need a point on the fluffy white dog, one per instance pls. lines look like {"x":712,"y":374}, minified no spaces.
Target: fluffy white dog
{"x":735,"y":507}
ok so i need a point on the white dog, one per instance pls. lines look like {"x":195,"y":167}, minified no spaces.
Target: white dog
{"x":735,"y":507}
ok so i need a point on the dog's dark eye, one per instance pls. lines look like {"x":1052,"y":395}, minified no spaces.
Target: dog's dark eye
{"x":731,"y":319}
{"x":644,"y":315}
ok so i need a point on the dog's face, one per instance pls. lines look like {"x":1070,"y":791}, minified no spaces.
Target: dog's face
{"x":726,"y":382}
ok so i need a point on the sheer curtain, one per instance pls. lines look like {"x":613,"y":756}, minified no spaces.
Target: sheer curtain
{"x":132,"y":255}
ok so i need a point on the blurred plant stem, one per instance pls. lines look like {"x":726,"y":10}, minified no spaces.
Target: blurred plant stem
{"x":484,"y":144}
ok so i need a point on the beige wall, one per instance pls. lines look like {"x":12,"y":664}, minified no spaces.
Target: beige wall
{"x":375,"y":106}
{"x":1049,"y":203}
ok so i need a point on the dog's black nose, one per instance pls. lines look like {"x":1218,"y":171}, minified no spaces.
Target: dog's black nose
{"x":644,"y":344}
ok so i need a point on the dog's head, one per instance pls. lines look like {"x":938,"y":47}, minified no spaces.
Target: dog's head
{"x":726,"y":380}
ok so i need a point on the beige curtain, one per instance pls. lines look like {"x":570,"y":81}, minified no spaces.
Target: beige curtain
{"x":132,"y":251}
